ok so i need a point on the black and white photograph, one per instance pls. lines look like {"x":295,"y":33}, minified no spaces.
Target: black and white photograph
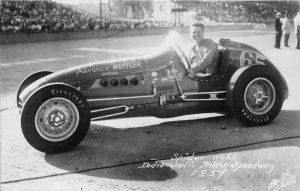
{"x":150,"y":95}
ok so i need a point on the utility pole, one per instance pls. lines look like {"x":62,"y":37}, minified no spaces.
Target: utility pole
{"x":220,"y":7}
{"x":100,"y":10}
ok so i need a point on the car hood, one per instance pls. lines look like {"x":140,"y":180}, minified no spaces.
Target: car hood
{"x":103,"y":69}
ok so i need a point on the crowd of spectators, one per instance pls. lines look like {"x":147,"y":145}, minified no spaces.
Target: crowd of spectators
{"x":242,"y":12}
{"x":38,"y":16}
{"x":48,"y":16}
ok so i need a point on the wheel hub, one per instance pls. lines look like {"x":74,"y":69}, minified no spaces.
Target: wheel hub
{"x":259,"y":96}
{"x":56,"y":118}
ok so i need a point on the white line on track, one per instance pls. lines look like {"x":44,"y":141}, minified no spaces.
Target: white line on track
{"x":127,"y":51}
{"x":252,"y":31}
{"x":6,"y":64}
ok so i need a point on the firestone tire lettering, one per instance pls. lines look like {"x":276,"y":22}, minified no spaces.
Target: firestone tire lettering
{"x":240,"y":108}
{"x":32,"y":106}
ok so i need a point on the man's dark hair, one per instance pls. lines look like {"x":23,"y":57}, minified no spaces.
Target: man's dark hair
{"x":198,"y":24}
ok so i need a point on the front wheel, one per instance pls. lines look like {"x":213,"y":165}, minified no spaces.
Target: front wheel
{"x":55,"y":119}
{"x":256,"y":97}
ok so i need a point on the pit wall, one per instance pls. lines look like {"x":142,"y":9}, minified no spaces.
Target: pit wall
{"x":42,"y":37}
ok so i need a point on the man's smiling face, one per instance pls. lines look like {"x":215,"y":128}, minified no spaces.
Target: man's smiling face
{"x":197,"y":33}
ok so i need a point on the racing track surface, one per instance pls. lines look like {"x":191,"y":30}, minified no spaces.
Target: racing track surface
{"x":116,"y":154}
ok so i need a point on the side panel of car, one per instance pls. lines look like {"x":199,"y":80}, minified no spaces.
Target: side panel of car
{"x":115,"y":78}
{"x":151,"y":81}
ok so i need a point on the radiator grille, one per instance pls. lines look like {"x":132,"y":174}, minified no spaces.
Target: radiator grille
{"x":165,"y":88}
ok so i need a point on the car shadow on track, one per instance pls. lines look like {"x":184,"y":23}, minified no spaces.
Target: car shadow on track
{"x":114,"y":153}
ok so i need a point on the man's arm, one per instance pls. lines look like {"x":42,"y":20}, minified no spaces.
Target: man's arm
{"x":200,"y":65}
{"x":192,"y":54}
{"x":208,"y":56}
{"x":295,"y":24}
{"x":277,"y":25}
{"x":284,"y":24}
{"x":194,"y":60}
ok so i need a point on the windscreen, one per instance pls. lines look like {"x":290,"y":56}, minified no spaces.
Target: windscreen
{"x":172,"y":39}
{"x":176,"y":42}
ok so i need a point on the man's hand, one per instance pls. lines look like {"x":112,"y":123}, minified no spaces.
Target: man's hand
{"x":195,"y":72}
{"x":191,"y":73}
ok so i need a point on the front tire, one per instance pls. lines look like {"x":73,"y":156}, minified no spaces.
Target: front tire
{"x":55,"y":118}
{"x":256,"y":97}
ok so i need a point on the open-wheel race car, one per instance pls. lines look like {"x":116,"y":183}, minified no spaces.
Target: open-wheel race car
{"x":57,"y":108}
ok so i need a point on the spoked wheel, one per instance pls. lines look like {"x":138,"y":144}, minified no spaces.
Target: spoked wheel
{"x":55,"y":118}
{"x":259,"y":96}
{"x":256,"y":97}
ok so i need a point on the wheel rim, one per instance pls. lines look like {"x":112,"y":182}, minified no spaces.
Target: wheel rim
{"x":259,"y":96}
{"x":57,"y":119}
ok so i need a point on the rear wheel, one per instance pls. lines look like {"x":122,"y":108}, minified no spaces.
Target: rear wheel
{"x":256,"y":97}
{"x":55,"y":119}
{"x":259,"y":96}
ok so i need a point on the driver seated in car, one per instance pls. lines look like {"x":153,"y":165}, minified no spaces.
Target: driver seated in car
{"x":203,"y":55}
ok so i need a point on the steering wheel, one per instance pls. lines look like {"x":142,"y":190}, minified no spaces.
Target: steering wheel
{"x":182,"y":57}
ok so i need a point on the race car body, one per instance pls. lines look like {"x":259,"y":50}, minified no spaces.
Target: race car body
{"x":57,"y":107}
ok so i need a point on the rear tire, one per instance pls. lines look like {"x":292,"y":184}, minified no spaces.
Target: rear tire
{"x":256,"y":97}
{"x":55,"y":119}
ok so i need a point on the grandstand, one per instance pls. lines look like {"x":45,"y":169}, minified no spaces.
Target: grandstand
{"x":237,"y":11}
{"x":48,"y":20}
{"x":43,"y":16}
{"x":49,"y":16}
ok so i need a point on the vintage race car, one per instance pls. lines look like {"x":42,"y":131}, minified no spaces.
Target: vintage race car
{"x":57,"y":108}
